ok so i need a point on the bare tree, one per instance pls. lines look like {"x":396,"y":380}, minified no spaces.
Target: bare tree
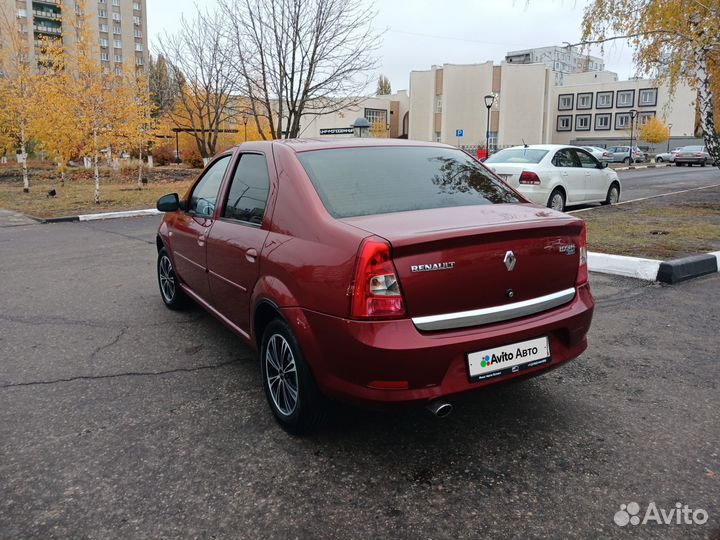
{"x":383,"y":86}
{"x":300,"y":57}
{"x":205,"y":81}
{"x":162,"y":86}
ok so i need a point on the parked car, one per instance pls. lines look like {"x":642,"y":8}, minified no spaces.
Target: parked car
{"x":601,"y":154}
{"x":667,"y":156}
{"x":556,"y":175}
{"x":693,"y":155}
{"x":621,"y":154}
{"x":375,"y":271}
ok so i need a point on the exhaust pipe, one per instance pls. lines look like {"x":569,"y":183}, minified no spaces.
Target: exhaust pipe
{"x":439,"y":408}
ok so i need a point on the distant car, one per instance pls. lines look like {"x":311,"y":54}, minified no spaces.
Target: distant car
{"x":621,"y":154}
{"x":693,"y":155}
{"x":667,"y":156}
{"x":556,"y":175}
{"x":601,"y":154}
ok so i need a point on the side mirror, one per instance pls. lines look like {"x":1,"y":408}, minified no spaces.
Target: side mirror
{"x":603,"y":165}
{"x":169,"y":203}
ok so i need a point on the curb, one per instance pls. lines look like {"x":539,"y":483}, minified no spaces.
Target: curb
{"x":102,"y":215}
{"x":635,"y":167}
{"x":672,"y":271}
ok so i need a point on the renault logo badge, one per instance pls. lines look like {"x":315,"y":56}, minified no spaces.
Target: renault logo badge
{"x":510,"y":261}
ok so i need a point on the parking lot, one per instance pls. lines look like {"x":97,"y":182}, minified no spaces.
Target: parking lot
{"x":122,"y":419}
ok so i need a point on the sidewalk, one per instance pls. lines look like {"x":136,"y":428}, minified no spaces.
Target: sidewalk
{"x":8,"y":218}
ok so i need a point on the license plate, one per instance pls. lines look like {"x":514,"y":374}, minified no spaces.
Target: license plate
{"x":504,"y":176}
{"x":512,"y":358}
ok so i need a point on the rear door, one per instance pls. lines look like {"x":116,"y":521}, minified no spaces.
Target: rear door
{"x":237,"y":238}
{"x":191,"y":227}
{"x":573,"y":175}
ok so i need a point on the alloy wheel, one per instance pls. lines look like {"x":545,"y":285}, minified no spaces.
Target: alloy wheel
{"x":281,"y":375}
{"x":167,"y":278}
{"x":556,"y":203}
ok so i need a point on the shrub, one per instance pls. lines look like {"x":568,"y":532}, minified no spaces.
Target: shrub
{"x":163,"y":155}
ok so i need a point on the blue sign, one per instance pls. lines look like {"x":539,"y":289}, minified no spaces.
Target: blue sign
{"x":459,"y":132}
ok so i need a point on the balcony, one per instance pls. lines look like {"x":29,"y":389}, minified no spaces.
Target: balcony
{"x":49,"y":2}
{"x":51,"y":15}
{"x":51,"y":30}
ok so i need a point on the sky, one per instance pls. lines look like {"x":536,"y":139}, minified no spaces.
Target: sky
{"x":420,"y":33}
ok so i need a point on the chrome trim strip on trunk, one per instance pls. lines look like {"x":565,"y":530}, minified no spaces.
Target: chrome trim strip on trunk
{"x":489,"y":315}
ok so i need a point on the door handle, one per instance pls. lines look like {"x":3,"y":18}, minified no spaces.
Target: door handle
{"x":251,"y":254}
{"x":201,"y":240}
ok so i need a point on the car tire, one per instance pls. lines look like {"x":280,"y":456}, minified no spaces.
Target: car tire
{"x":290,"y":389}
{"x":557,"y":200}
{"x":678,"y":164}
{"x":613,"y":194}
{"x":659,"y":160}
{"x":626,"y":160}
{"x":703,"y":162}
{"x":170,"y":292}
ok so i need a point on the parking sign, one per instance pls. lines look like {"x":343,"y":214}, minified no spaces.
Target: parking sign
{"x":459,"y":132}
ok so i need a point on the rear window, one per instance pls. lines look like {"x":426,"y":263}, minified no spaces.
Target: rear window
{"x":692,"y":149}
{"x":517,"y":155}
{"x":378,"y":180}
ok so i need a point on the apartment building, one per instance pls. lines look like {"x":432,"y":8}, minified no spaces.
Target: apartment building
{"x":561,"y":60}
{"x":119,"y":26}
{"x":528,"y":107}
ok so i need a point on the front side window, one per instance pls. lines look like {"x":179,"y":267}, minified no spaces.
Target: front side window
{"x":380,"y":180}
{"x":204,"y":197}
{"x":249,"y":190}
{"x":565,"y":158}
{"x":586,"y":160}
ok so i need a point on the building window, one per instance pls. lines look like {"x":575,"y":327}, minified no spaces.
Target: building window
{"x":138,"y":33}
{"x":102,"y":13}
{"x":21,"y":13}
{"x":102,"y":1}
{"x":625,"y":98}
{"x":438,"y":104}
{"x":437,"y":137}
{"x":602,"y":121}
{"x":565,"y":102}
{"x":115,"y":2}
{"x":103,"y":27}
{"x":622,"y":120}
{"x":582,"y":122}
{"x":644,"y":117}
{"x":604,"y":100}
{"x":584,"y":101}
{"x":376,"y":116}
{"x":118,"y":71}
{"x":103,"y":43}
{"x":118,"y":58}
{"x":647,"y":97}
{"x":104,"y":56}
{"x":136,"y":6}
{"x":564,"y":122}
{"x":117,"y":44}
{"x":117,"y":30}
{"x":116,"y":16}
{"x":138,"y":61}
{"x":138,"y":47}
{"x":136,"y":20}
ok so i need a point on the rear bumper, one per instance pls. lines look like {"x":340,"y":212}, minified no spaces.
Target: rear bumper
{"x":347,"y":356}
{"x":536,"y":194}
{"x":679,"y":159}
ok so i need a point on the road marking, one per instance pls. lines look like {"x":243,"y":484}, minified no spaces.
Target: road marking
{"x":646,"y":198}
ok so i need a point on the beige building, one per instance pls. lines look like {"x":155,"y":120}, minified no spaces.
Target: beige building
{"x":388,"y":114}
{"x":119,"y":26}
{"x":530,"y":108}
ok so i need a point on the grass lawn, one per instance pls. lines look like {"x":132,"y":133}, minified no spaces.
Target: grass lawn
{"x":118,"y":191}
{"x":660,"y":228}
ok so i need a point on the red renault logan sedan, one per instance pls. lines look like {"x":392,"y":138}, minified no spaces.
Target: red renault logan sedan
{"x":375,"y":271}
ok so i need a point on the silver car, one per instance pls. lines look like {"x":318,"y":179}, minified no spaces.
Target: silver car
{"x":601,"y":154}
{"x":621,"y":154}
{"x":693,"y":155}
{"x":668,"y":157}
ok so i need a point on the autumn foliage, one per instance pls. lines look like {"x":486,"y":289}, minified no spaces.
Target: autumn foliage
{"x":654,"y":131}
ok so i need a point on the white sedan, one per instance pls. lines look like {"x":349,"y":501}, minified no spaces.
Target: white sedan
{"x":556,"y":175}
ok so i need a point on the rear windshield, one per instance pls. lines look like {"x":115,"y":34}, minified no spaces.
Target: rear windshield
{"x":379,"y":180}
{"x":517,"y":155}
{"x":692,"y":149}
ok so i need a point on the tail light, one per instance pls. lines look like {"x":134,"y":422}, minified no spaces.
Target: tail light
{"x":529,"y":177}
{"x":605,"y":154}
{"x":376,"y":291}
{"x":582,"y":274}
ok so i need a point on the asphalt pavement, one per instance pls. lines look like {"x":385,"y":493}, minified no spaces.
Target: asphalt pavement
{"x":122,"y":419}
{"x":640,"y":183}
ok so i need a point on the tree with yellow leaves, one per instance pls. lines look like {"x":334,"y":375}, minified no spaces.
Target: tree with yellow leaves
{"x":673,"y":40}
{"x":16,"y":88}
{"x":654,"y":131}
{"x":378,"y":130}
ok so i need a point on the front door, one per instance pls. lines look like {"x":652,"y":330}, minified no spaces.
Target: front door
{"x":572,"y":174}
{"x":236,"y":240}
{"x":190,"y":229}
{"x":595,"y":188}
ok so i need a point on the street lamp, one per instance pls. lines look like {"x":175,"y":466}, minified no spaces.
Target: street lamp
{"x":633,"y":114}
{"x":669,"y":134}
{"x":489,"y":100}
{"x":245,"y":121}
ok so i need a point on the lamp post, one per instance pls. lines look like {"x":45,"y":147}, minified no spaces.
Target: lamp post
{"x":245,"y":121}
{"x":669,"y":134}
{"x":633,"y":114}
{"x":489,"y":100}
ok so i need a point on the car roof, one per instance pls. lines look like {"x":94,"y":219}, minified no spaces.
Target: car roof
{"x":303,"y":145}
{"x":548,"y":147}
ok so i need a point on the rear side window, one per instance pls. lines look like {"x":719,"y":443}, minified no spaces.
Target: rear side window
{"x":517,"y":155}
{"x":249,"y":190}
{"x":379,"y":180}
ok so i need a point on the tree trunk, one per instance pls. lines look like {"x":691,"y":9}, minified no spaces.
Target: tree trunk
{"x":707,"y":122}
{"x":97,"y":177}
{"x":23,"y":155}
{"x":62,"y":177}
{"x":140,"y":169}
